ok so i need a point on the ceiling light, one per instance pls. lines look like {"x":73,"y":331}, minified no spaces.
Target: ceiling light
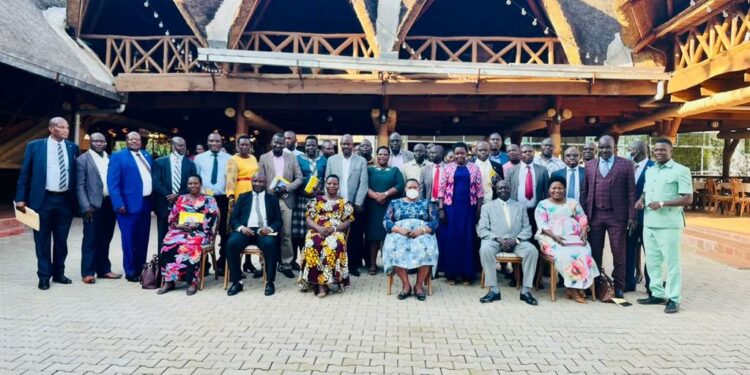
{"x":714,"y":124}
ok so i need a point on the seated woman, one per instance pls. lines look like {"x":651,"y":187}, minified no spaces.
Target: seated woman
{"x":410,"y":243}
{"x":563,"y":228}
{"x":324,"y":259}
{"x":180,"y":256}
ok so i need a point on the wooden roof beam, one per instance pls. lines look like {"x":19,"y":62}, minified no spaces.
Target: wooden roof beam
{"x":180,"y":4}
{"x":563,"y":30}
{"x":241,"y":20}
{"x":365,"y":20}
{"x":734,"y":60}
{"x":535,"y":123}
{"x":413,"y":12}
{"x":75,"y":13}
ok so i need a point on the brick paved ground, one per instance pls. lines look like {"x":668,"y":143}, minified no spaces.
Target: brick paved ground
{"x":114,"y":327}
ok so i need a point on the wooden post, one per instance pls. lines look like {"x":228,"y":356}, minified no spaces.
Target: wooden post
{"x":384,"y":130}
{"x":553,"y":131}
{"x":516,"y":138}
{"x":241,"y":127}
{"x":726,"y":158}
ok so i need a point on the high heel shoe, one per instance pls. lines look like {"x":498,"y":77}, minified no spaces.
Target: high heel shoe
{"x":574,"y":295}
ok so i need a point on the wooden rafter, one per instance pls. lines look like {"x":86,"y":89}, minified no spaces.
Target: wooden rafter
{"x":563,"y":29}
{"x":180,"y":4}
{"x":365,"y":20}
{"x":244,"y":14}
{"x":413,"y":12}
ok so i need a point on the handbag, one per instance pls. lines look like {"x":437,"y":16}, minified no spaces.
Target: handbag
{"x":151,"y":274}
{"x":605,"y":289}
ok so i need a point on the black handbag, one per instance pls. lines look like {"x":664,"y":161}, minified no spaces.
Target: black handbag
{"x":151,"y":274}
{"x":605,"y":288}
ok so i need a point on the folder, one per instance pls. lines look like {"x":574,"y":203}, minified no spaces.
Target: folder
{"x":30,"y":218}
{"x":311,"y":184}
{"x":190,"y":218}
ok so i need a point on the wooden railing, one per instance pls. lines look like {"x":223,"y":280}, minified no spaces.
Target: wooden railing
{"x":717,"y":35}
{"x":351,"y":45}
{"x":498,"y":50}
{"x":146,"y":54}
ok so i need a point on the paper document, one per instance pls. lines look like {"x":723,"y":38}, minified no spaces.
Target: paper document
{"x":30,"y":218}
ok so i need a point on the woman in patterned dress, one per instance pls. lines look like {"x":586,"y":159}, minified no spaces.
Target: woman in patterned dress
{"x":180,"y":256}
{"x":312,"y":163}
{"x":410,"y":243}
{"x":324,"y":259}
{"x":563,"y":229}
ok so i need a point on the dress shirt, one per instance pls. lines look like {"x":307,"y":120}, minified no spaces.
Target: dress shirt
{"x":603,"y":161}
{"x":486,"y":168}
{"x":553,"y":164}
{"x":501,"y":158}
{"x":639,"y":168}
{"x":204,"y":164}
{"x":102,"y":164}
{"x":524,"y":170}
{"x":143,"y":170}
{"x":346,"y":164}
{"x":53,"y":165}
{"x":253,"y":220}
{"x":574,"y":178}
{"x":397,"y":161}
{"x":506,"y":211}
{"x":278,"y":164}
{"x":413,"y":170}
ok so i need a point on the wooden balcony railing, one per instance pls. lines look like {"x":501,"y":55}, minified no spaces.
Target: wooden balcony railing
{"x":717,"y":35}
{"x":146,"y":54}
{"x":499,"y":50}
{"x":351,"y":45}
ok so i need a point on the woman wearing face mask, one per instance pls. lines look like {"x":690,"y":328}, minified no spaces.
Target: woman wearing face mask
{"x":410,"y":243}
{"x":460,"y":197}
{"x":385,"y":184}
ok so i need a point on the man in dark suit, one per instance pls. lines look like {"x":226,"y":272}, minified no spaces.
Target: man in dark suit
{"x":573,"y":173}
{"x":47,"y":185}
{"x":528,"y":183}
{"x":638,"y":151}
{"x":130,"y":184}
{"x":96,"y":208}
{"x":171,"y":173}
{"x":491,"y":170}
{"x":256,"y":220}
{"x":608,"y":199}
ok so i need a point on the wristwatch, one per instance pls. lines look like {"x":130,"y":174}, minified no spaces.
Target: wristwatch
{"x":661,"y":204}
{"x":518,"y":241}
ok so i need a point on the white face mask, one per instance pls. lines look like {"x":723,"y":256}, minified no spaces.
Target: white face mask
{"x":412,"y":193}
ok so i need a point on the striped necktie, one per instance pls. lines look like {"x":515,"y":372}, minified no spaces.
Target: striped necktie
{"x":258,"y":212}
{"x":176,"y":176}
{"x":63,"y":170}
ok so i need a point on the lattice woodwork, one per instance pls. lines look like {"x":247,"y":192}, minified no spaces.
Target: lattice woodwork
{"x":715,"y":36}
{"x":497,"y":50}
{"x":147,"y":54}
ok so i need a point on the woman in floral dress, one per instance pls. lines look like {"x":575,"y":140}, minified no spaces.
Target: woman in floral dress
{"x":563,"y":229}
{"x":180,"y":256}
{"x":324,"y":256}
{"x":410,"y":243}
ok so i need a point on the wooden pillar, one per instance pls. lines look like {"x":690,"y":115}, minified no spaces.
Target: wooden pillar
{"x":384,"y":129}
{"x":516,"y":138}
{"x":726,"y":157}
{"x":241,"y":127}
{"x":553,"y":131}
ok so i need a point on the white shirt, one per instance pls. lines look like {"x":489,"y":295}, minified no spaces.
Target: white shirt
{"x":640,"y":167}
{"x":344,"y":183}
{"x":102,"y":164}
{"x":522,"y":185}
{"x":486,"y":168}
{"x":506,"y":211}
{"x":258,"y":199}
{"x":144,"y":172}
{"x":53,"y":166}
{"x":397,"y":161}
{"x":552,"y":164}
{"x":574,"y":178}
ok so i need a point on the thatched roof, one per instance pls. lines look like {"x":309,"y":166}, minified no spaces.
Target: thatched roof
{"x":33,"y":39}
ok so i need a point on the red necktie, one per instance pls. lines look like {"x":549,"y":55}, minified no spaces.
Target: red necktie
{"x":436,"y":181}
{"x":529,"y":184}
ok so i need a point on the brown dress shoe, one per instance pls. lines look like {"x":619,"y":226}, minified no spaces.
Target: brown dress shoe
{"x":89,"y":280}
{"x":111,"y":275}
{"x":192,"y":289}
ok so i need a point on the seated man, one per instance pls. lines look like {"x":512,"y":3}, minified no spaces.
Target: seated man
{"x":256,"y":220}
{"x":504,"y":227}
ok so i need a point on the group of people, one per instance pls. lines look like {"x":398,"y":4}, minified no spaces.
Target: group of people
{"x":338,"y":211}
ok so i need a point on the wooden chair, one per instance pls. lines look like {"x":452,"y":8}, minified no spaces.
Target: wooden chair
{"x":209,"y":249}
{"x":511,"y":258}
{"x":553,"y":280}
{"x":740,"y":198}
{"x":700,"y":197}
{"x":248,"y":251}
{"x":715,"y":197}
{"x":427,"y":283}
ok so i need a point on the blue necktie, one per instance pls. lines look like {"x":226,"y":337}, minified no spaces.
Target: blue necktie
{"x":572,"y":184}
{"x":215,"y":169}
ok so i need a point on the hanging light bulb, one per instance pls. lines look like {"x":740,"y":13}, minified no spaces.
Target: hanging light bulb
{"x":725,"y":13}
{"x":708,"y":9}
{"x":156,"y":15}
{"x":596,"y":60}
{"x":692,"y":3}
{"x":534,"y":22}
{"x":166,"y":32}
{"x":508,"y":2}
{"x":546,"y":31}
{"x":523,"y":11}
{"x":588,"y":55}
{"x":161,"y":25}
{"x":145,"y":4}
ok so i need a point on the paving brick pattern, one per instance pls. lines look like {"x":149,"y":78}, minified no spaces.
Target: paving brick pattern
{"x":114,"y":327}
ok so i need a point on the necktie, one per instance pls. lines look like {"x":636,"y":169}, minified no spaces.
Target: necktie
{"x":63,"y":171}
{"x":572,"y":184}
{"x":604,"y":167}
{"x":176,"y":176}
{"x":529,"y":191}
{"x":215,"y":169}
{"x":436,"y":181}
{"x":256,"y":198}
{"x":143,"y":161}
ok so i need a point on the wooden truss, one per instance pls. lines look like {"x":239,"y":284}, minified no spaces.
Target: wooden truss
{"x":498,"y":50}
{"x":714,"y":37}
{"x":148,"y":54}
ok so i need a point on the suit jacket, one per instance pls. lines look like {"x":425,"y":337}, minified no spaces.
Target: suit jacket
{"x":640,"y":184}
{"x":291,"y":173}
{"x":492,"y":224}
{"x":408,"y":156}
{"x":564,"y":174}
{"x":32,"y":181}
{"x":358,"y":180}
{"x":124,"y":180}
{"x":162,"y":179}
{"x":621,"y":188}
{"x":89,"y":186}
{"x":541,"y":177}
{"x":428,"y":173}
{"x":241,"y":211}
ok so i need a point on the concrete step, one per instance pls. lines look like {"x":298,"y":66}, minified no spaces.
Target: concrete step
{"x":732,"y":249}
{"x":11,"y":227}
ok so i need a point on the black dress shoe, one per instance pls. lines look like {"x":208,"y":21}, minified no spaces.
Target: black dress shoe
{"x":295,"y":266}
{"x":490,"y":297}
{"x":512,"y":283}
{"x":248,"y":267}
{"x":528,"y":298}
{"x":421,"y":296}
{"x":672,"y":307}
{"x":132,"y":279}
{"x":651,"y":300}
{"x":220,"y":272}
{"x":270,"y":289}
{"x":43,"y":284}
{"x":62,"y":280}
{"x":287,"y":272}
{"x":234,"y":289}
{"x":354,"y":273}
{"x":619,"y":293}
